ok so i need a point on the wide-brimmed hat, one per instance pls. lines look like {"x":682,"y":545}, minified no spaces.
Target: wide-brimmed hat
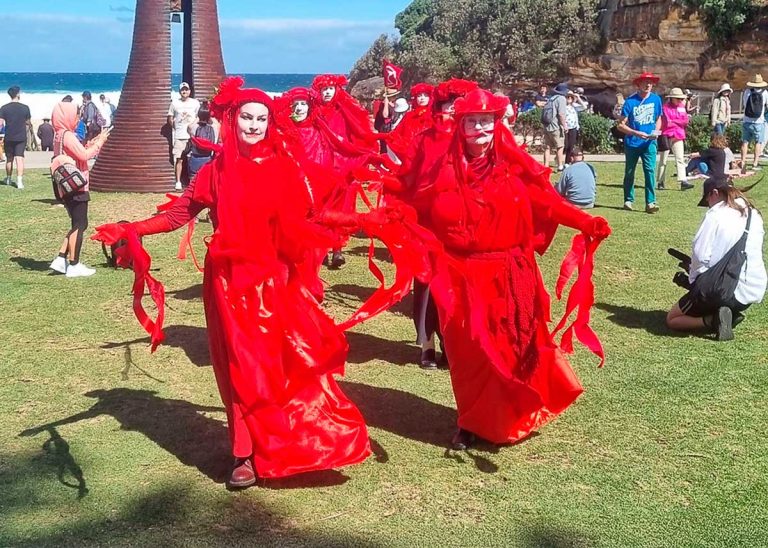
{"x":724,"y":88}
{"x":561,"y":89}
{"x":646,"y":76}
{"x":758,"y":83}
{"x":676,"y":93}
{"x":716,"y":182}
{"x":391,"y":92}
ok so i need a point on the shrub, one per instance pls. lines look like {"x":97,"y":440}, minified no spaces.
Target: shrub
{"x":596,"y":137}
{"x":733,"y":134}
{"x":698,"y":133}
{"x":528,"y":126}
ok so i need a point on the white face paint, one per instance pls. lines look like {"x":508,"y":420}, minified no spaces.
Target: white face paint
{"x":447,"y":107}
{"x":478,"y":128}
{"x":422,"y":99}
{"x":300,"y":110}
{"x":328,"y":93}
{"x":252,"y":122}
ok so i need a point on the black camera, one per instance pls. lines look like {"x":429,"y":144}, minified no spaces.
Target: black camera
{"x":681,"y":278}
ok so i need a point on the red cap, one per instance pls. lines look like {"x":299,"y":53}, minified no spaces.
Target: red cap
{"x":647,"y":76}
{"x":481,"y":101}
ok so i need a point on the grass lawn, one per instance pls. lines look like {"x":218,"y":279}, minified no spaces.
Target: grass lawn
{"x":102,"y":443}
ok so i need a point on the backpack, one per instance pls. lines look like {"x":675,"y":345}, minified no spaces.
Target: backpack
{"x":206,"y":132}
{"x":548,"y":113}
{"x":717,"y":286}
{"x":754,"y":106}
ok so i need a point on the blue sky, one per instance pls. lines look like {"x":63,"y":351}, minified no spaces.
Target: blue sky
{"x":303,"y":36}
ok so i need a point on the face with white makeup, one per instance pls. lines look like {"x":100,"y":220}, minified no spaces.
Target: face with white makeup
{"x":422,"y":99}
{"x":477,"y":129}
{"x":300,"y":110}
{"x":252,"y":123}
{"x":328,"y":93}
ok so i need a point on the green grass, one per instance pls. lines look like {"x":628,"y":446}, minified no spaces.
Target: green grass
{"x":102,"y":443}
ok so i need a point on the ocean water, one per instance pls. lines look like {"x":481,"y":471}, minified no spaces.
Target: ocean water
{"x":42,"y":90}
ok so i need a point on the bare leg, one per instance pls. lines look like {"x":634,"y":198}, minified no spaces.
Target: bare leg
{"x":744,"y":150}
{"x":64,"y":245}
{"x":678,"y":321}
{"x":758,"y":152}
{"x":547,"y":153}
{"x":9,"y":168}
{"x":178,"y":169}
{"x":560,"y":157}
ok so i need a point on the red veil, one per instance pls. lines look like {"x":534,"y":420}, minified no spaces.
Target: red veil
{"x":415,"y":121}
{"x":344,"y":115}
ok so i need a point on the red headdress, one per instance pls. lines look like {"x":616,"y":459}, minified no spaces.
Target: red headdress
{"x":452,"y":89}
{"x":480,"y":101}
{"x":329,"y":80}
{"x":422,"y":87}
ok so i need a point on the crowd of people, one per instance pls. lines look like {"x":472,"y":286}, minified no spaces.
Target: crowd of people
{"x":464,"y":211}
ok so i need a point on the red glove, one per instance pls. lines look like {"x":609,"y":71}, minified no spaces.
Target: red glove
{"x":110,"y":233}
{"x":333,"y":218}
{"x":598,"y":229}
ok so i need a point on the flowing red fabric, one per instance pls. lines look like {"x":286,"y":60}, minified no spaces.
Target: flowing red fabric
{"x":344,"y":115}
{"x":493,"y":214}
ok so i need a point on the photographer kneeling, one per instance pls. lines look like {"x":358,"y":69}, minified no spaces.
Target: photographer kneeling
{"x":726,"y":272}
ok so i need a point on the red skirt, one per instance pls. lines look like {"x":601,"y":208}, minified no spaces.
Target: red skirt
{"x":508,"y":376}
{"x":274,"y":353}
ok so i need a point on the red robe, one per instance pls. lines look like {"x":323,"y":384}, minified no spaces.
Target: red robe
{"x":347,"y":119}
{"x":274,"y":350}
{"x":401,"y":139}
{"x":509,"y":376}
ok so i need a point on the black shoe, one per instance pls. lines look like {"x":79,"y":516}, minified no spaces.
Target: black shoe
{"x":724,"y":324}
{"x":338,"y":260}
{"x":738,"y":317}
{"x":462,"y":440}
{"x":686,"y":186}
{"x":428,"y":359}
{"x":661,"y":187}
{"x":327,"y":260}
{"x":443,"y":363}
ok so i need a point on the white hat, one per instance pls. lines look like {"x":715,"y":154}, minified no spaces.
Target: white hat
{"x":183,"y":85}
{"x":724,"y":88}
{"x":401,"y":105}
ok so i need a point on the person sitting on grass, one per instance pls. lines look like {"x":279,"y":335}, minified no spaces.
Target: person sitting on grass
{"x":577,"y":182}
{"x":723,"y":226}
{"x":713,"y":161}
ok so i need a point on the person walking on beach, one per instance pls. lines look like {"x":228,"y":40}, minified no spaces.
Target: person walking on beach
{"x":45,"y":134}
{"x":107,"y":110}
{"x":640,"y":121}
{"x":14,"y":117}
{"x":181,"y":114}
{"x":753,"y":125}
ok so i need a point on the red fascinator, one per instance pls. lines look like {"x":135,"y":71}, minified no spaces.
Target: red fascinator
{"x":231,"y":95}
{"x":329,"y":80}
{"x":422,"y":87}
{"x":480,"y":101}
{"x":453,"y":88}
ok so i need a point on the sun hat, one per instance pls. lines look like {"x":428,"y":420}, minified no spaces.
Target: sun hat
{"x":724,"y":88}
{"x":676,"y":93}
{"x":401,"y":105}
{"x":758,"y":83}
{"x":646,"y":76}
{"x":561,"y":89}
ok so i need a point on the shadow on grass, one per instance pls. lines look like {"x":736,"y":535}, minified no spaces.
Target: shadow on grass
{"x":364,"y":348}
{"x":176,"y":426}
{"x":191,"y":339}
{"x":191,"y":293}
{"x":49,"y":201}
{"x":547,"y":536}
{"x":352,"y":296}
{"x":652,"y":321}
{"x":416,"y":418}
{"x":379,"y":253}
{"x":32,"y":264}
{"x":172,"y":515}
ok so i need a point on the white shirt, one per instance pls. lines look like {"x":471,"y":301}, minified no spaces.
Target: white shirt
{"x":184,"y":113}
{"x":721,"y":229}
{"x":106,"y":113}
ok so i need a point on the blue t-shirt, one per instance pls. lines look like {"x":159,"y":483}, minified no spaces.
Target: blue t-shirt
{"x":577,"y":184}
{"x":641,"y":115}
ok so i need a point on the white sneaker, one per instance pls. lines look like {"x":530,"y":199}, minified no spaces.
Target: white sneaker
{"x":79,"y":270}
{"x":178,"y":186}
{"x":59,"y":264}
{"x":19,"y":185}
{"x":628,"y":205}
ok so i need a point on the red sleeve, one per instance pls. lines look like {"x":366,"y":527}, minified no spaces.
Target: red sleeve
{"x":558,"y":210}
{"x":183,"y":210}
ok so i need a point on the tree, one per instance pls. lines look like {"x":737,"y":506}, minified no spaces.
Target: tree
{"x":369,"y":65}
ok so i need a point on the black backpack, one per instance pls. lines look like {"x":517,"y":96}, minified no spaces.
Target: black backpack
{"x":717,"y":285}
{"x":754,"y":107}
{"x":203,"y":131}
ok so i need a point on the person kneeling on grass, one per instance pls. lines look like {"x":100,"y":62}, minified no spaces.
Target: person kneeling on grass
{"x":730,"y":217}
{"x":577,"y":182}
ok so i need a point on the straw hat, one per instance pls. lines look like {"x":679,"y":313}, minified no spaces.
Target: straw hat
{"x":724,"y":88}
{"x":758,"y":83}
{"x":391,"y":92}
{"x":676,"y":93}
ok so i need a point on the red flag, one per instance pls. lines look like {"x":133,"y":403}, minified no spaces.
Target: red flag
{"x":391,"y":75}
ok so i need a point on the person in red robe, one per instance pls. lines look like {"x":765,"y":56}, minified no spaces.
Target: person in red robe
{"x":415,"y":189}
{"x":414,"y":122}
{"x":274,"y":350}
{"x":343,"y":114}
{"x":492,"y":207}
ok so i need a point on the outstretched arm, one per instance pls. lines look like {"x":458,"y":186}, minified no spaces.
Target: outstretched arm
{"x":549,"y":204}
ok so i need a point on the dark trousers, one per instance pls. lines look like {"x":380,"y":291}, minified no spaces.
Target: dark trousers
{"x":78,"y":213}
{"x":424,"y":313}
{"x":571,"y":139}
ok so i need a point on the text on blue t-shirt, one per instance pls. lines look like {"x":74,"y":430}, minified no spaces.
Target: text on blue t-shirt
{"x":641,"y":115}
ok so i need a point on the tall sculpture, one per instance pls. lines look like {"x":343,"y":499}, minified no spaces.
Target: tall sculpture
{"x":136,"y":156}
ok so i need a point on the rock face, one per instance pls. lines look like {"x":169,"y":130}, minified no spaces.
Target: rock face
{"x":662,"y":37}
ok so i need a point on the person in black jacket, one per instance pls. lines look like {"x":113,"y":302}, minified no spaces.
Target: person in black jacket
{"x":45,"y":134}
